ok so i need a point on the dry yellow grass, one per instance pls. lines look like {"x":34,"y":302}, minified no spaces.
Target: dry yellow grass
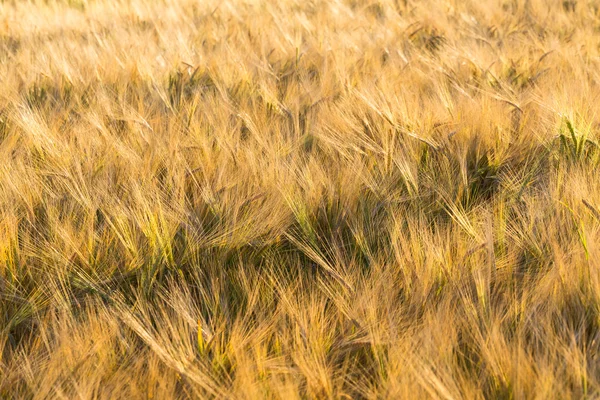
{"x":299,"y":199}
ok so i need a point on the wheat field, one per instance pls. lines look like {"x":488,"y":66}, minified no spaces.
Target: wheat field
{"x":345,"y":199}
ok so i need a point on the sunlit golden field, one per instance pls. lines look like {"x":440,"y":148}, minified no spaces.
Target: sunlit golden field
{"x":339,"y":199}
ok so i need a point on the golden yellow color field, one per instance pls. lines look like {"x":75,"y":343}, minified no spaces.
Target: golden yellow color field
{"x":288,"y":199}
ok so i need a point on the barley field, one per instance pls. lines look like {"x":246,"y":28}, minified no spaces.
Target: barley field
{"x":310,"y":199}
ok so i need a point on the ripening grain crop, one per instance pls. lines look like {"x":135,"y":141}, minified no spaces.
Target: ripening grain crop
{"x":262,"y":199}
